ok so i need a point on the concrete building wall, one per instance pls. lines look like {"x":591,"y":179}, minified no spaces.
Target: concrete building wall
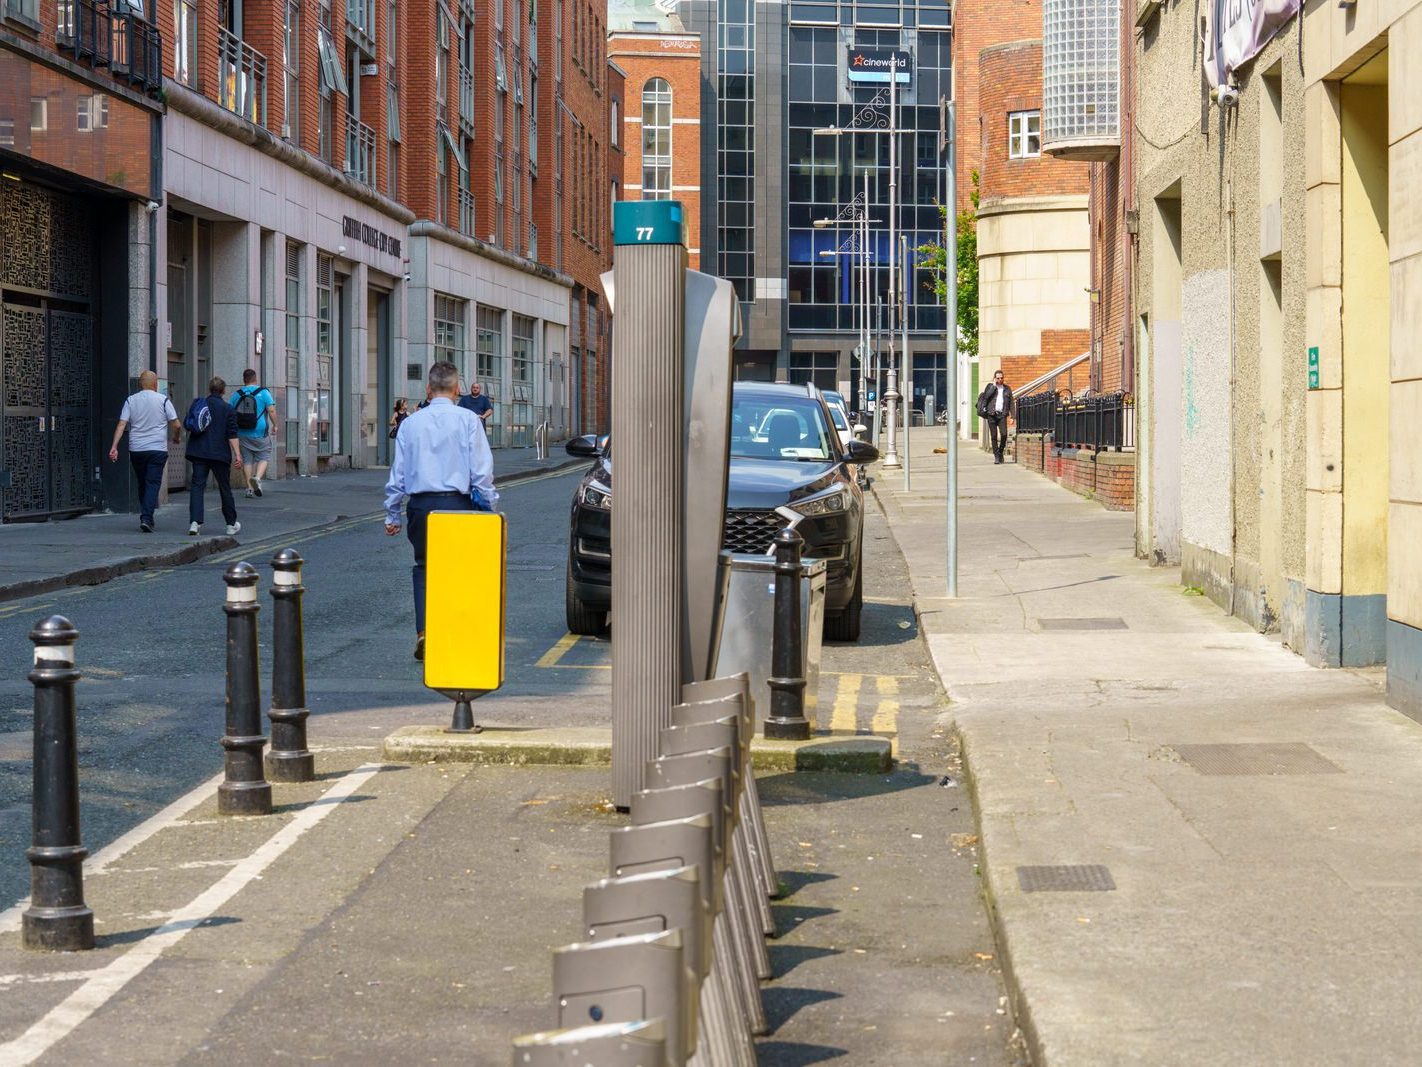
{"x":1219,"y":339}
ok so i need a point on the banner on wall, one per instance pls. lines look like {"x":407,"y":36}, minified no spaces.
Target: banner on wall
{"x":872,"y":66}
{"x":1238,"y":31}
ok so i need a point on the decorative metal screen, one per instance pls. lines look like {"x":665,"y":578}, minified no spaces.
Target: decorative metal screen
{"x":1081,"y":78}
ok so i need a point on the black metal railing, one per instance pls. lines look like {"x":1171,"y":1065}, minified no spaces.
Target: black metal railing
{"x":137,"y":51}
{"x":1036,"y":413}
{"x":1100,"y":423}
{"x":84,"y":28}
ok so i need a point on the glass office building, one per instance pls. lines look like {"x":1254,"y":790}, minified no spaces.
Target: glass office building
{"x":781,"y":71}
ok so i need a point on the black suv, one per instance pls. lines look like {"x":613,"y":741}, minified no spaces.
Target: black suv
{"x":786,"y":456}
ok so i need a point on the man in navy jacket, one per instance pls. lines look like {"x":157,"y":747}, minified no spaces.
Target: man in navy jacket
{"x":214,"y":451}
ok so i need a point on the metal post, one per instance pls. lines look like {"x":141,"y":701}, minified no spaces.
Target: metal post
{"x":57,"y":919}
{"x":787,"y":682}
{"x":891,"y":394}
{"x":244,"y":790}
{"x":879,"y":398}
{"x":907,"y":376}
{"x":648,"y":419}
{"x":950,"y":247}
{"x":289,"y":760}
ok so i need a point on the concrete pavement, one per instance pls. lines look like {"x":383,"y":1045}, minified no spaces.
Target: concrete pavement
{"x":1196,"y":847}
{"x":40,"y":557}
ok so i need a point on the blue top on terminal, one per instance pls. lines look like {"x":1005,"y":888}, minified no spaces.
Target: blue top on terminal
{"x":648,"y":222}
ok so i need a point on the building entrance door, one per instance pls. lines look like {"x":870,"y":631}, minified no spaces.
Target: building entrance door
{"x":47,"y":419}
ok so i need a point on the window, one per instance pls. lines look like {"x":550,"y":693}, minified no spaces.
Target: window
{"x":616,"y":123}
{"x":293,"y":299}
{"x":501,"y":72}
{"x":490,"y":343}
{"x":7,"y":131}
{"x":291,"y":63}
{"x":656,"y":140}
{"x":25,"y":11}
{"x":333,"y":73}
{"x":92,"y":112}
{"x":441,"y":65}
{"x":523,"y":354}
{"x":185,"y":24}
{"x":326,"y":442}
{"x":392,"y":109}
{"x":442,"y":180}
{"x":1024,"y":134}
{"x":449,"y":315}
{"x":39,"y":113}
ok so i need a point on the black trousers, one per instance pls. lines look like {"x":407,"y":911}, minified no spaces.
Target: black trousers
{"x":148,"y":470}
{"x":221,"y":470}
{"x":997,"y":433}
{"x":417,"y":515}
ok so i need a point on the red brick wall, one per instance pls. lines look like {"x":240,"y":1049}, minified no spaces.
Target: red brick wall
{"x":1057,"y":347}
{"x":979,"y":24}
{"x":1107,"y":477}
{"x":648,"y":56}
{"x":1011,"y":76}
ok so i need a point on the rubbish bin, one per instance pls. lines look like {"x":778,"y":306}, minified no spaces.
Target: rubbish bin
{"x":745,"y":625}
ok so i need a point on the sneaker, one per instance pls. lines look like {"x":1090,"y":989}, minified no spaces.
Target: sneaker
{"x":146,"y":527}
{"x":257,"y":486}
{"x":194,"y":529}
{"x":250,"y":494}
{"x":234,"y":529}
{"x":420,"y":647}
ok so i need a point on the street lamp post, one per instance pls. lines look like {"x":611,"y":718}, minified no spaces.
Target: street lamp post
{"x":948,"y":140}
{"x":856,"y":212}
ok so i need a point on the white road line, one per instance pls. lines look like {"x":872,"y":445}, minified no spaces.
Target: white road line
{"x":10,"y":917}
{"x":107,"y":982}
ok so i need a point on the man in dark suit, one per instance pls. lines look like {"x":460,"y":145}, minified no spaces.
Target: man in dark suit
{"x":994,"y":405}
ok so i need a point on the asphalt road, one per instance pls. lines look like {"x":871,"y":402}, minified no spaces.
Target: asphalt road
{"x":151,"y":649}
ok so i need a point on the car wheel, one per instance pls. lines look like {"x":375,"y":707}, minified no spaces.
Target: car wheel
{"x":844,"y":626}
{"x":582,"y":620}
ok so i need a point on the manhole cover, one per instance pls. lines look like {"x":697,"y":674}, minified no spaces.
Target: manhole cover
{"x":1288,"y":757}
{"x":1082,"y":624}
{"x":1066,"y":878}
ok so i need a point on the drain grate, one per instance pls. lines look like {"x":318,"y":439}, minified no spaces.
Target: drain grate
{"x":1066,"y":878}
{"x":1289,"y":757}
{"x":1082,"y":624}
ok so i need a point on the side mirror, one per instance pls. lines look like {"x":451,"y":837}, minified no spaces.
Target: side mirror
{"x":584,"y":447}
{"x":860,"y":452}
{"x":860,"y":431}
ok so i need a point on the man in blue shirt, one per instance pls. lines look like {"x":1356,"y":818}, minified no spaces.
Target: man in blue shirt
{"x":441,"y":459}
{"x":214,"y":451}
{"x":256,"y":421}
{"x":478,"y":403}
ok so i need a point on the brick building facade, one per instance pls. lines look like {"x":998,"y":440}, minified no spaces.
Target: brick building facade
{"x":663,"y":74}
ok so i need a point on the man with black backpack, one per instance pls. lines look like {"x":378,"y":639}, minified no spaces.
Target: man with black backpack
{"x":256,"y":421}
{"x":212,"y":449}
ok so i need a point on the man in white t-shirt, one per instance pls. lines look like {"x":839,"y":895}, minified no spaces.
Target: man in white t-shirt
{"x":149,"y":418}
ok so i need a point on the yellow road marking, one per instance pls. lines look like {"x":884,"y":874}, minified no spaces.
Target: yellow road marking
{"x":558,"y":651}
{"x":886,"y":715}
{"x":845,"y":716}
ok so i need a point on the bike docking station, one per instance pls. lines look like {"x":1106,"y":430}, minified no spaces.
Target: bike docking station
{"x":674,"y":953}
{"x":464,"y":637}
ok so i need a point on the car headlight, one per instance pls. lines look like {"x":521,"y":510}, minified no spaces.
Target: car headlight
{"x":829,"y":503}
{"x":597,"y":495}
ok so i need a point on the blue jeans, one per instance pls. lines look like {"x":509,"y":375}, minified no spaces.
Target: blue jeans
{"x":148,"y":470}
{"x":222,"y":474}
{"x":417,"y":514}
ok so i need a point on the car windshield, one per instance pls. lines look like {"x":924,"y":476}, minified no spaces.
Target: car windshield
{"x":779,"y":427}
{"x":837,"y":414}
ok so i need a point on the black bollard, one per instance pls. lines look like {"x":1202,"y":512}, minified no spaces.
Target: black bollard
{"x":244,"y":791}
{"x":787,"y":683}
{"x":288,"y":760}
{"x":57,"y":919}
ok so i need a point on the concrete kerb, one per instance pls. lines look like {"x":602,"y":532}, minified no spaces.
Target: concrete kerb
{"x":592,"y":747}
{"x":192,"y":553}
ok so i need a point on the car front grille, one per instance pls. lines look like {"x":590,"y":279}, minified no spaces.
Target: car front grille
{"x":751,"y":531}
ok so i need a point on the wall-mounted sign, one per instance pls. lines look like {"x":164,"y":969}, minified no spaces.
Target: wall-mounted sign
{"x":1313,"y":367}
{"x":1238,"y":30}
{"x":370,"y":236}
{"x":872,"y":66}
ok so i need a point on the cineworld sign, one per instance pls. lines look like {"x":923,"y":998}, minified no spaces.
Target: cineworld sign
{"x":873,"y":66}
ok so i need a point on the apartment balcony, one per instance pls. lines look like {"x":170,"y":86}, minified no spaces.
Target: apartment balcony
{"x":360,"y":151}
{"x":466,"y":100}
{"x":360,"y":25}
{"x":136,"y":51}
{"x":466,"y":213}
{"x":241,"y":78}
{"x":85,"y":29}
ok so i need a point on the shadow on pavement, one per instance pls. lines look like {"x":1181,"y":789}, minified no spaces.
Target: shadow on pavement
{"x":881,"y":624}
{"x":785,"y":958}
{"x":782,"y":1002}
{"x":789,"y":916}
{"x":819,"y":787}
{"x":790,"y":1054}
{"x":791,"y":882}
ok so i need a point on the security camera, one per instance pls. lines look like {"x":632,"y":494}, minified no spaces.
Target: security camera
{"x":1226,"y":95}
{"x":341,"y":249}
{"x":151,"y":206}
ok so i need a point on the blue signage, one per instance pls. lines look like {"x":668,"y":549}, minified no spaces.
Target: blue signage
{"x":872,"y":66}
{"x":648,"y":222}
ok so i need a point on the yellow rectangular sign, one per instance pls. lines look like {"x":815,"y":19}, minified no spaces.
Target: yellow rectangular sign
{"x":464,"y":601}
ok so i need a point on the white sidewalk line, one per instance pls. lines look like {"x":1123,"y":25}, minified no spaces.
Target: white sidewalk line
{"x":71,"y":1013}
{"x":10,"y":917}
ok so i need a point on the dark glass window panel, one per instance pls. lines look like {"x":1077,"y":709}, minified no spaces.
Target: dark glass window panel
{"x":826,"y":85}
{"x":798,"y":285}
{"x":802,"y":83}
{"x":735,"y":138}
{"x":801,"y":185}
{"x":735,"y":214}
{"x":735,"y":189}
{"x":802,"y":44}
{"x":826,"y":47}
{"x":735,"y":62}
